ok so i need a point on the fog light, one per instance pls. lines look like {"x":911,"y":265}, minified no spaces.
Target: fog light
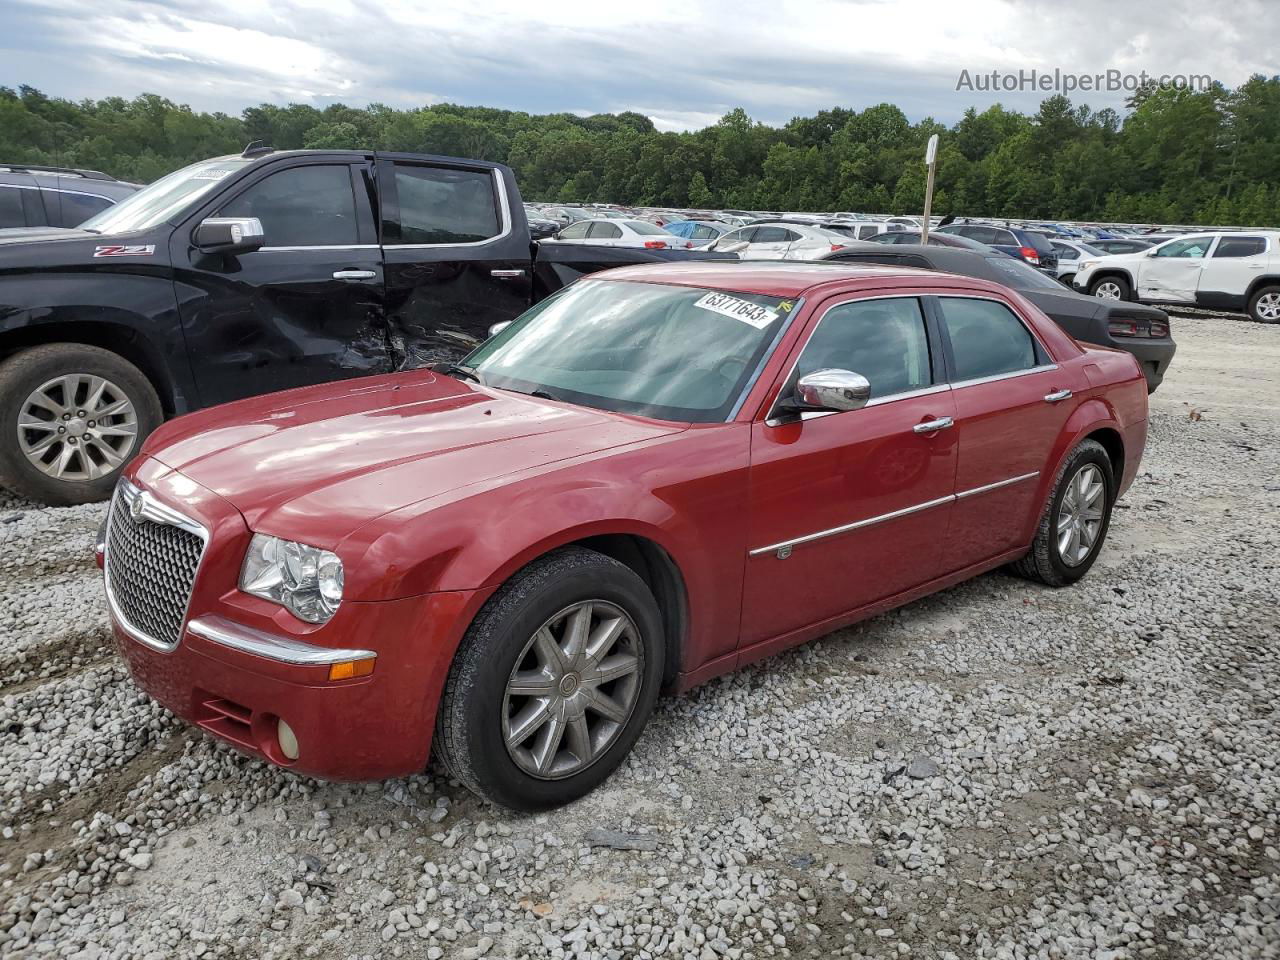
{"x":288,"y":742}
{"x":347,"y":669}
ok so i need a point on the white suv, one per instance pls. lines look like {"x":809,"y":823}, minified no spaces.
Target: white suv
{"x":1218,"y":271}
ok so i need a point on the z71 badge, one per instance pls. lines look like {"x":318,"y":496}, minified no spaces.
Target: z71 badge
{"x":123,"y":250}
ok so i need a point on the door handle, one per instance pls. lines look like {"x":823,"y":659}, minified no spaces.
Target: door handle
{"x":1057,"y":395}
{"x":506,"y":274}
{"x":354,"y":274}
{"x":933,"y":426}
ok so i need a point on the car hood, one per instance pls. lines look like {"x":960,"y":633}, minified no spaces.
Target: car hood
{"x":329,"y":459}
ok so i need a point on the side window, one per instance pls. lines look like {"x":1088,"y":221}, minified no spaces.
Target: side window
{"x":301,"y":207}
{"x":575,"y":231}
{"x":884,"y":340}
{"x":1240,"y":247}
{"x":981,"y":234}
{"x":868,"y":231}
{"x":770,"y":235}
{"x":1190,"y":248}
{"x":701,"y":233}
{"x":1064,"y":252}
{"x":441,"y":205}
{"x":986,"y":338}
{"x":1004,"y":238}
{"x":604,"y":231}
{"x":11,"y":214}
{"x":79,"y":207}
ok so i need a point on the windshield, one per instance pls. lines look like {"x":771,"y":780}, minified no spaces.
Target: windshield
{"x":653,"y":350}
{"x":165,"y":198}
{"x":1021,"y":275}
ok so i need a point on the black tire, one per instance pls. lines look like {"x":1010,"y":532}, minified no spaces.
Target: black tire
{"x":1044,"y":562}
{"x":468,"y":734}
{"x":24,"y":373}
{"x":1126,"y":292}
{"x":1068,"y":280}
{"x":1255,"y":313}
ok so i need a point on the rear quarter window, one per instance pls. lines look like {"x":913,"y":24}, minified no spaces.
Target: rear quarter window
{"x":987,"y":339}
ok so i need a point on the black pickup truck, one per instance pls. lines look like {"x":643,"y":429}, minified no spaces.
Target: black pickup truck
{"x":245,"y":274}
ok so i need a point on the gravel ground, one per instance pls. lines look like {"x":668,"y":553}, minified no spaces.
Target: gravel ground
{"x":998,"y":771}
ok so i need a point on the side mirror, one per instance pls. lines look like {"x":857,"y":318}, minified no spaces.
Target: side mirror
{"x":229,"y":235}
{"x":497,"y":328}
{"x":831,"y":389}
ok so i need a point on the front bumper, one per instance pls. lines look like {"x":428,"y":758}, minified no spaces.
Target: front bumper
{"x":242,"y":664}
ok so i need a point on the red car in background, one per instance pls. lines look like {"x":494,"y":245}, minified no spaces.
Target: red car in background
{"x":651,"y":478}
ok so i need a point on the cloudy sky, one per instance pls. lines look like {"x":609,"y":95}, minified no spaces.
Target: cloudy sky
{"x":683,"y":63}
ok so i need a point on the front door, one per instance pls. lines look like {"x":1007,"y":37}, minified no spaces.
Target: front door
{"x":849,"y":508}
{"x":1012,"y":402}
{"x":1172,"y":271}
{"x":457,"y":253}
{"x":305,"y":308}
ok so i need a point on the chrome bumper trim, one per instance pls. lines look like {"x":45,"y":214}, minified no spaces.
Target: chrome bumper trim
{"x":281,"y":649}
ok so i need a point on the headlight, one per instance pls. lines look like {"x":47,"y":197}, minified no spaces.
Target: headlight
{"x":305,"y":580}
{"x":1087,"y":264}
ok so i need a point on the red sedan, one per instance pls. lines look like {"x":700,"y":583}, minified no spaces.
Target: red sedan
{"x":652,"y":478}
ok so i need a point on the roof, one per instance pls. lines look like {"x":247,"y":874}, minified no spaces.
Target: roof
{"x":775,"y":278}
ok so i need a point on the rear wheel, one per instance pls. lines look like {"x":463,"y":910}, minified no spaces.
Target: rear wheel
{"x":553,"y":682}
{"x":71,"y":417}
{"x":1111,"y":288}
{"x":1075,"y":521}
{"x":1264,"y":305}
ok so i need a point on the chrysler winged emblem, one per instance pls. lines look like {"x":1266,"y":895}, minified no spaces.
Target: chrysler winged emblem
{"x":136,"y":508}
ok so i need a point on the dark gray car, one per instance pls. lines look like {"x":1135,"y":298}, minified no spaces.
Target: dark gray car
{"x":39,"y":196}
{"x":1138,"y":329}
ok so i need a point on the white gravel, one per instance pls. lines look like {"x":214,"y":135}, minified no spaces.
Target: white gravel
{"x":1000,"y":771}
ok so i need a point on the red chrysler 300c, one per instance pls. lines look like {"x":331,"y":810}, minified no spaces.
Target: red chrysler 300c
{"x":658,"y":475}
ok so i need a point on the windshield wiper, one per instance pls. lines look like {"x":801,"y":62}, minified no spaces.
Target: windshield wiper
{"x":542,"y":395}
{"x":460,"y":370}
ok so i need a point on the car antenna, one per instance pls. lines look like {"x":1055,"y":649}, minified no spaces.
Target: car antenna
{"x":256,"y":149}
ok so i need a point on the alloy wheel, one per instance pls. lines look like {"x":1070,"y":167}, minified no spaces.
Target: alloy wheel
{"x":1107,"y":290}
{"x":573,"y":689}
{"x":1268,"y":308}
{"x":1080,"y":515}
{"x":77,"y":427}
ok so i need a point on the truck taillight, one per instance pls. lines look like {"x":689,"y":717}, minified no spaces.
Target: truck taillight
{"x":1029,"y":254}
{"x":655,"y":244}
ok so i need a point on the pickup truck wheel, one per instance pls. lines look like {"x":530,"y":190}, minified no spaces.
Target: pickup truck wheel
{"x":553,"y":682}
{"x":71,"y":417}
{"x":1075,"y":521}
{"x":1264,"y":305}
{"x":1110,"y":288}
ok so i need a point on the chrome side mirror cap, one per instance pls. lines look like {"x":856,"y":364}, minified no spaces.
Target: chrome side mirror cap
{"x":229,"y":235}
{"x":832,"y":389}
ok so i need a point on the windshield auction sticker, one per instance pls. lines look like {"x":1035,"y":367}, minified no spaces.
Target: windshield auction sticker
{"x":731,"y":306}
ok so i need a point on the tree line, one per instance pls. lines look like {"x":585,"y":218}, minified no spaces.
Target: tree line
{"x":1176,"y":156}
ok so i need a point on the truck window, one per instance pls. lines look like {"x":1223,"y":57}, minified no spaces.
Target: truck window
{"x":11,"y":214}
{"x":76,"y":207}
{"x":302,"y":207}
{"x":440,"y":205}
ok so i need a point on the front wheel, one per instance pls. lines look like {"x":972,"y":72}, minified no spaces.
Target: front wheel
{"x":1075,"y":521}
{"x":71,"y":417}
{"x":1110,"y":288}
{"x":553,"y":682}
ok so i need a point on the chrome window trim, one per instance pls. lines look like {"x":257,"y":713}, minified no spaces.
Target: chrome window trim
{"x":773,"y":420}
{"x":19,"y":186}
{"x":156,"y":512}
{"x":786,"y":545}
{"x":995,"y":377}
{"x":321,"y":246}
{"x":504,"y":210}
{"x":260,"y":643}
{"x":80,"y":193}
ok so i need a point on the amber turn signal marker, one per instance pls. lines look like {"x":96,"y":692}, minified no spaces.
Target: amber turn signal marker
{"x":348,"y":669}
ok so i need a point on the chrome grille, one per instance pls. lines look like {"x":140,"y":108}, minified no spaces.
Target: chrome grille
{"x":152,"y":554}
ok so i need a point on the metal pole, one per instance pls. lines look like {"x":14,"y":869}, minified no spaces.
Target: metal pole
{"x":931,"y":160}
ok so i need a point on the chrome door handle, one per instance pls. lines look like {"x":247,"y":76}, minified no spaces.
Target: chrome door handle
{"x":933,"y":426}
{"x":354,"y":274}
{"x":1057,"y":395}
{"x":505,"y":274}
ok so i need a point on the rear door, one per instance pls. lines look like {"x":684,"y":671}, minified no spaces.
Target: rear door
{"x":1012,"y":402}
{"x":457,"y":253}
{"x":1236,"y":261}
{"x":305,"y":308}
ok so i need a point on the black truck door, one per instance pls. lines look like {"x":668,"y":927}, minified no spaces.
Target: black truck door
{"x":308,"y":307}
{"x":457,"y":253}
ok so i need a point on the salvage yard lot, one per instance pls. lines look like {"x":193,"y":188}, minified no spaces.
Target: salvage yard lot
{"x":1001,"y":770}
